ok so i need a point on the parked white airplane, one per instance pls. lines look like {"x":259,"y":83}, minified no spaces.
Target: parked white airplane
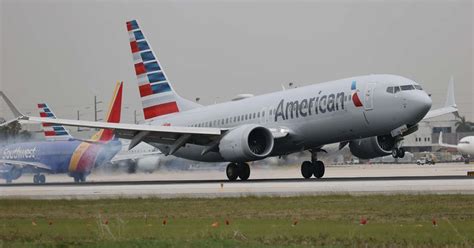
{"x":370,"y":113}
{"x":465,"y":146}
{"x":143,"y":156}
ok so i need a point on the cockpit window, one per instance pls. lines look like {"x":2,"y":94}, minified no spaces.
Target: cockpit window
{"x":407,"y":87}
{"x":464,"y":142}
{"x":396,"y":89}
{"x":390,"y":90}
{"x":418,"y":87}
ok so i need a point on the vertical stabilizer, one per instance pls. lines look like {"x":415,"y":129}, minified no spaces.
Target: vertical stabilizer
{"x":450,"y":102}
{"x":157,"y":95}
{"x":51,"y":131}
{"x":113,"y":114}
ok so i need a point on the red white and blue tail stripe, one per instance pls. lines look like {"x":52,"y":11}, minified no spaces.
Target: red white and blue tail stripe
{"x":52,"y":131}
{"x":157,"y":95}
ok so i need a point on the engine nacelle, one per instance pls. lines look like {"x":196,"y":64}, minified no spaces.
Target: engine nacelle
{"x":372,"y":147}
{"x":10,"y":172}
{"x":246,"y":143}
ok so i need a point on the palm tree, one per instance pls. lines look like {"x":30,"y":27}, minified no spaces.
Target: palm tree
{"x":462,"y":125}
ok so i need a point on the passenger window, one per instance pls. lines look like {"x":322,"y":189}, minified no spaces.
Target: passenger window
{"x":258,"y":114}
{"x":390,"y":90}
{"x":254,"y":115}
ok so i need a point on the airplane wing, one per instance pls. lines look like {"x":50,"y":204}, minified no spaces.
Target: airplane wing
{"x":147,"y":133}
{"x":23,"y":164}
{"x":449,"y":107}
{"x":171,"y":135}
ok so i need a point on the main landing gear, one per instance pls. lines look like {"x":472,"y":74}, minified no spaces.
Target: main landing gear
{"x":238,"y":170}
{"x":398,"y":153}
{"x":39,"y":179}
{"x":79,"y":178}
{"x":314,"y":167}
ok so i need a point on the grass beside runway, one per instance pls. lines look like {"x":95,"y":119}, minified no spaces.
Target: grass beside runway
{"x":403,"y":220}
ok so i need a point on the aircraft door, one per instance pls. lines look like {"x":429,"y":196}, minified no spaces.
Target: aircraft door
{"x":369,"y":96}
{"x":264,"y":114}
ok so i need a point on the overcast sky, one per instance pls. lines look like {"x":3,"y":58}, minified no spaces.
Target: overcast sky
{"x":65,"y":52}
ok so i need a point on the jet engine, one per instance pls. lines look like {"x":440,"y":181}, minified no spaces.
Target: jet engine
{"x":372,"y":147}
{"x":246,"y":143}
{"x":10,"y":172}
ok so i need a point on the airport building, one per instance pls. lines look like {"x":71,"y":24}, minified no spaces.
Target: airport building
{"x":426,"y":138}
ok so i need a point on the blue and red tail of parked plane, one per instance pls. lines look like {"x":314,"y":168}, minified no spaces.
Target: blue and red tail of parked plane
{"x":72,"y":156}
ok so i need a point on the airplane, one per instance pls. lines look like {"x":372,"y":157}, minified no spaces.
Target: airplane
{"x":142,"y":157}
{"x":370,"y":113}
{"x":465,"y":146}
{"x":69,"y":155}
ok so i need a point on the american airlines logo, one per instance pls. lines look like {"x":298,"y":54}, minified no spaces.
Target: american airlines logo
{"x":316,"y":105}
{"x":19,"y":153}
{"x":307,"y":107}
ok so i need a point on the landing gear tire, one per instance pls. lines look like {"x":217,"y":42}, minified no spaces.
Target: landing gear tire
{"x":307,"y":169}
{"x":232,"y":171}
{"x":39,"y":178}
{"x":400,"y":152}
{"x":394,"y":153}
{"x":42,"y":179}
{"x":319,"y":169}
{"x":79,"y":178}
{"x":132,"y":167}
{"x":244,"y":171}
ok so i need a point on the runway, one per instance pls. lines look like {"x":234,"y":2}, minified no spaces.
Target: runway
{"x":354,"y":180}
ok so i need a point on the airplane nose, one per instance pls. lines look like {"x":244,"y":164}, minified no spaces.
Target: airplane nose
{"x":421,"y":104}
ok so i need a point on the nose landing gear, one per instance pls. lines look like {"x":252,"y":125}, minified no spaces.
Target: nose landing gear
{"x":314,"y":167}
{"x":39,"y":179}
{"x":398,"y":153}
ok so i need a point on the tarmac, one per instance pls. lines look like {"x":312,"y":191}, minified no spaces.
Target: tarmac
{"x":389,"y":179}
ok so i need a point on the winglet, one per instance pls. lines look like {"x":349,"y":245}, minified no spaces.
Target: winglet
{"x":12,"y":107}
{"x":18,"y":115}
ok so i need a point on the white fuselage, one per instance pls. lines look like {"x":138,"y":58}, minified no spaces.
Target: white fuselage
{"x":315,"y":115}
{"x":466,"y":146}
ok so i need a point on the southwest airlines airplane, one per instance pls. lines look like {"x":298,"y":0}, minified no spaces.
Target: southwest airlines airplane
{"x":62,"y":153}
{"x":369,"y":113}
